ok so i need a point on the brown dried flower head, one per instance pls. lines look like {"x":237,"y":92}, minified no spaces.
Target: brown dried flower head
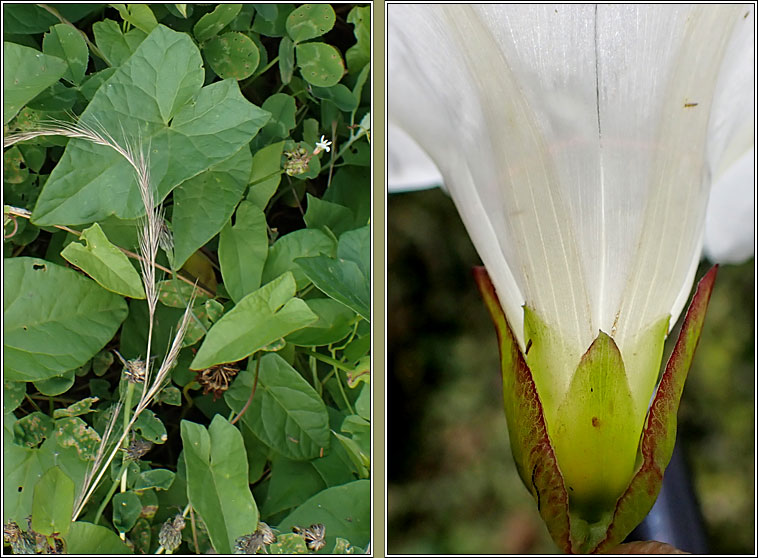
{"x":313,"y":535}
{"x":216,"y":379}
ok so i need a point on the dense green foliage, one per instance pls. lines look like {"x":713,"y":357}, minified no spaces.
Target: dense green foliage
{"x":255,"y":123}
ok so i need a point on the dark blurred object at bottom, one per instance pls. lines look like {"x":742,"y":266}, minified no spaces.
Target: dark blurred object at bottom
{"x":675,"y":518}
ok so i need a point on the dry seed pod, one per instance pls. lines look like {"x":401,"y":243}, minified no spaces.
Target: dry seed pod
{"x":170,"y":536}
{"x":138,"y":448}
{"x":249,"y":544}
{"x":313,"y":535}
{"x":216,"y":379}
{"x":269,"y":537}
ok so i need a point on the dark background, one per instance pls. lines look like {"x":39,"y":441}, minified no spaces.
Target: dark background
{"x":452,"y":485}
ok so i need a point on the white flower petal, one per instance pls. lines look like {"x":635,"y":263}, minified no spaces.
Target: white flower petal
{"x":409,"y":168}
{"x":730,"y":220}
{"x":572,"y":139}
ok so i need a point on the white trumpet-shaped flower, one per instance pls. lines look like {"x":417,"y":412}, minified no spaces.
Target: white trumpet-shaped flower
{"x":578,"y":143}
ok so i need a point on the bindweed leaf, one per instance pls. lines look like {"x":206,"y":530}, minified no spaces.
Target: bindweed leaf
{"x":53,"y":503}
{"x":363,"y":403}
{"x":105,"y":263}
{"x":345,"y":278}
{"x":355,"y":246}
{"x":256,"y":453}
{"x":286,"y":413}
{"x":45,"y":333}
{"x":266,"y":174}
{"x":342,"y":280}
{"x":26,"y":73}
{"x":115,"y":45}
{"x":214,"y":309}
{"x":282,"y":109}
{"x":101,"y":362}
{"x":343,"y":546}
{"x":352,"y":189}
{"x":268,"y":12}
{"x":335,"y":467}
{"x":338,"y":94}
{"x":204,"y":204}
{"x":242,"y":251}
{"x":217,"y":483}
{"x":275,"y":27}
{"x":320,"y":213}
{"x":292,"y":482}
{"x":258,"y":319}
{"x":22,"y":469}
{"x":189,"y":128}
{"x":170,"y":395}
{"x":335,"y":322}
{"x":66,"y":43}
{"x":85,"y":538}
{"x":297,"y":244}
{"x":177,"y":294}
{"x":15,"y":169}
{"x":345,"y":512}
{"x":141,"y":535}
{"x":359,"y":54}
{"x":30,"y":18}
{"x":139,"y":15}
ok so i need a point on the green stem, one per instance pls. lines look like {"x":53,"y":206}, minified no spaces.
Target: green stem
{"x":329,"y":375}
{"x":249,"y":81}
{"x":268,"y":66}
{"x":190,"y":385}
{"x":307,"y":289}
{"x":29,"y":399}
{"x":314,"y":372}
{"x":323,"y":358}
{"x":356,"y":322}
{"x":252,"y":392}
{"x":108,"y":496}
{"x":342,"y":391}
{"x":267,"y":177}
{"x":127,"y":412}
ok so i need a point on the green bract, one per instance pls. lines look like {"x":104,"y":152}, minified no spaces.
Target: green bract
{"x":593,"y":464}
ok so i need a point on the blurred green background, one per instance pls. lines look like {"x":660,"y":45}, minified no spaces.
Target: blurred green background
{"x":452,"y":485}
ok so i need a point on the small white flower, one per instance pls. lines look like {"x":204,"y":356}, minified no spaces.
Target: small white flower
{"x":323,"y":145}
